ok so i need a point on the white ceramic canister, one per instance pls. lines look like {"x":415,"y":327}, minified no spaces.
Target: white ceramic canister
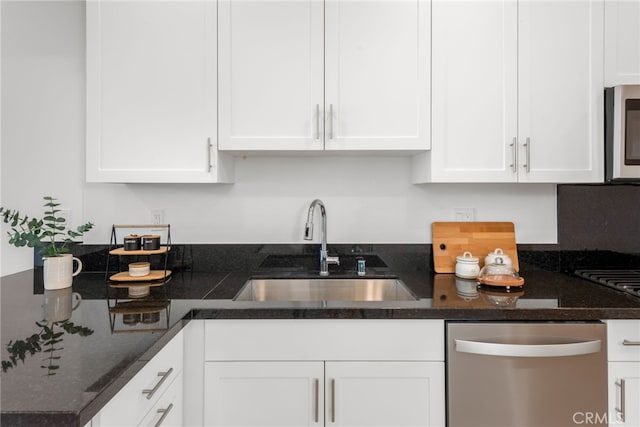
{"x":467,"y":266}
{"x":497,"y":253}
{"x":139,"y":269}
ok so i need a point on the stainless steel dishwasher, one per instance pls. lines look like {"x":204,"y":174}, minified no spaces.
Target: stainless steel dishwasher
{"x":526,"y":374}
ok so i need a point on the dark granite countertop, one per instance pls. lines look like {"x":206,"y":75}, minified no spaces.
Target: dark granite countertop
{"x":98,"y":352}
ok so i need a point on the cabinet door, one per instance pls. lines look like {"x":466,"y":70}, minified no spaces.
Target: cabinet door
{"x":264,"y":394}
{"x":151,"y":91}
{"x":474,"y":99}
{"x":377,"y":74}
{"x":624,"y":393}
{"x":392,"y":394}
{"x":622,"y":42}
{"x":561,"y":97}
{"x":271,"y":75}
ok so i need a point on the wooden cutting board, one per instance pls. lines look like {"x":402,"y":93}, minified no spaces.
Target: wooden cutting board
{"x":452,"y":239}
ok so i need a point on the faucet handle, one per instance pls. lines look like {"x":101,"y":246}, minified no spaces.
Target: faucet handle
{"x":333,"y":260}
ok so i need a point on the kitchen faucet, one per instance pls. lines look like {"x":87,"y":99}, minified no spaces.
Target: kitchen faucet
{"x":325,"y":260}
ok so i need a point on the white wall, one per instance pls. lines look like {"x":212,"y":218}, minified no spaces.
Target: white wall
{"x":42,"y":110}
{"x":1,"y":246}
{"x":368,"y":200}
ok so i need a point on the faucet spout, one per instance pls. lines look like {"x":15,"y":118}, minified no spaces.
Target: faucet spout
{"x":325,"y":259}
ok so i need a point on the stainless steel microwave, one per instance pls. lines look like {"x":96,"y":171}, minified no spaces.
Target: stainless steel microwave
{"x":622,"y":133}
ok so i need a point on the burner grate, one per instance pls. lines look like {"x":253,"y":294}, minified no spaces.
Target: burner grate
{"x":624,"y":280}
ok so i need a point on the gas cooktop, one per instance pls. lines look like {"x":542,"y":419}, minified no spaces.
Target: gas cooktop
{"x":624,"y":280}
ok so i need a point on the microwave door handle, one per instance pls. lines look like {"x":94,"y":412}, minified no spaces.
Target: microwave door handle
{"x":528,"y":350}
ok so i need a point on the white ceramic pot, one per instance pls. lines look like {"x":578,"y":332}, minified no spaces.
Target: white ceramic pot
{"x":58,"y":271}
{"x":59,"y":303}
{"x":467,"y":266}
{"x":497,"y":253}
{"x":139,"y":269}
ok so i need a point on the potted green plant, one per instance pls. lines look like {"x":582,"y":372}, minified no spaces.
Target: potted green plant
{"x":51,"y":235}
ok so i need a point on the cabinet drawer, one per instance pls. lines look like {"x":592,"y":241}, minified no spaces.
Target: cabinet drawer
{"x":324,"y":340}
{"x":131,"y":404}
{"x":624,"y":394}
{"x":623,"y":338}
{"x":168,"y":409}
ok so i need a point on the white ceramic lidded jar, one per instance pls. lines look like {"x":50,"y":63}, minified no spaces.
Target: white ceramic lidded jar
{"x":497,"y":253}
{"x":467,"y":266}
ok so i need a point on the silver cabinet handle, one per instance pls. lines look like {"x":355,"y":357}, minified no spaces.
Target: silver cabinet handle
{"x":621,"y":409}
{"x":514,"y":154}
{"x":164,"y":376}
{"x":330,"y":121}
{"x":317,"y":121}
{"x":333,"y":401}
{"x":526,"y":350}
{"x":527,"y":146}
{"x":164,"y":413}
{"x":627,"y":342}
{"x":316,"y":403}
{"x":209,"y":146}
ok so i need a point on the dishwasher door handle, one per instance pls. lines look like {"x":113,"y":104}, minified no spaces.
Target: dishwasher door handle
{"x":528,"y":350}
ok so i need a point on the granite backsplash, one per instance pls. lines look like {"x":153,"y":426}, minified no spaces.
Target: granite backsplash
{"x":391,"y":257}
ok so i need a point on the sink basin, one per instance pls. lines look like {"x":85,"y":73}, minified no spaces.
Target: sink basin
{"x":325,"y":289}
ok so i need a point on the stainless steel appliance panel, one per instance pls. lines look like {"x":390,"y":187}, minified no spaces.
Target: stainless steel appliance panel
{"x":622,"y":133}
{"x":526,"y":374}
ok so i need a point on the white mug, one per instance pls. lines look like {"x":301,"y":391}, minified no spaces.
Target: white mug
{"x":59,"y":303}
{"x":58,"y":271}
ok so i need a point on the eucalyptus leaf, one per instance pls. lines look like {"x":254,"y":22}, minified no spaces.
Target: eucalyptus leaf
{"x":41,"y":233}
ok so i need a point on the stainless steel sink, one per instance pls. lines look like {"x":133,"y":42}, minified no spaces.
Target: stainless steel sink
{"x":325,"y":289}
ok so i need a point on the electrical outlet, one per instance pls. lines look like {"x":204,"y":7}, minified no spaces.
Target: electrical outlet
{"x":464,"y":214}
{"x":157,"y":216}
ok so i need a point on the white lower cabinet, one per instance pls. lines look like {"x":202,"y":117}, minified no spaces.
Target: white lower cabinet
{"x":324,"y":372}
{"x":263,"y":393}
{"x":157,"y":386}
{"x":384,"y":393}
{"x":623,"y":349}
{"x":624,"y":394}
{"x":319,"y":393}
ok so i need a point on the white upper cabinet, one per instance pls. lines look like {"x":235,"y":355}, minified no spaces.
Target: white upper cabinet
{"x":312,"y":75}
{"x":271,"y":71}
{"x":151,"y":92}
{"x":377,"y":65}
{"x":561,"y":91}
{"x":517,"y":92}
{"x":622,"y":42}
{"x":474,"y":91}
